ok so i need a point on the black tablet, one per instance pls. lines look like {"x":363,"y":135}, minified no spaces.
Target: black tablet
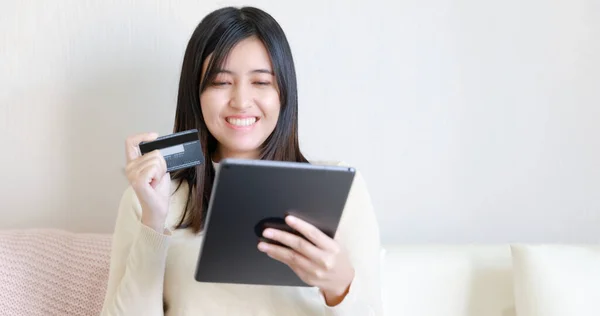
{"x":249,"y":195}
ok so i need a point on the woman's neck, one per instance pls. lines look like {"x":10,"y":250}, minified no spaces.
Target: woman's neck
{"x":221,"y":154}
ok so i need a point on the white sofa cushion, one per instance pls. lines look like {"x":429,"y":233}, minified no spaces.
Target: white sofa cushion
{"x":448,"y":280}
{"x":556,"y":280}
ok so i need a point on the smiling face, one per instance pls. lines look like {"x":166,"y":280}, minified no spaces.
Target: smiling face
{"x":241,"y":105}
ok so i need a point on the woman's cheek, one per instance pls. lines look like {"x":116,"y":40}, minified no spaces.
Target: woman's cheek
{"x":212,"y":102}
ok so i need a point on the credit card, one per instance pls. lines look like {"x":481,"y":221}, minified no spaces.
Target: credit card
{"x":180,"y":150}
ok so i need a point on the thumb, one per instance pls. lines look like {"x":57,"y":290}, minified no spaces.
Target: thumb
{"x":132,"y":143}
{"x":165,"y":182}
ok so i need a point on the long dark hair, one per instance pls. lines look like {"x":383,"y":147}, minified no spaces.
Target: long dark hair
{"x":217,"y":34}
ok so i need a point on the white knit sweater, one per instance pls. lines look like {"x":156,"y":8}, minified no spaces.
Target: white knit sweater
{"x":148,"y":268}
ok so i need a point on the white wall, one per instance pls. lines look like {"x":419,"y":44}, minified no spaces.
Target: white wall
{"x":472,"y":121}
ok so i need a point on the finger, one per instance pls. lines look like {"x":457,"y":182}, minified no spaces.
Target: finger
{"x":315,"y":235}
{"x":148,"y":169}
{"x":151,"y":174}
{"x":310,"y":277}
{"x":132,"y":143}
{"x":295,"y":242}
{"x":289,"y":257}
{"x":155,"y":157}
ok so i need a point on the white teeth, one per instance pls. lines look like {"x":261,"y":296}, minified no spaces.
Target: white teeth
{"x":242,"y":122}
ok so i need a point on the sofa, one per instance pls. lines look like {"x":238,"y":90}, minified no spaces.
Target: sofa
{"x":492,"y":280}
{"x":55,"y":272}
{"x":52,"y":272}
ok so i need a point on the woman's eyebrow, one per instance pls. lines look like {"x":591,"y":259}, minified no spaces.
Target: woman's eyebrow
{"x":261,"y":71}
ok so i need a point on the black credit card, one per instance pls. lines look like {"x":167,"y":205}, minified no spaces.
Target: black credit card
{"x":180,"y":150}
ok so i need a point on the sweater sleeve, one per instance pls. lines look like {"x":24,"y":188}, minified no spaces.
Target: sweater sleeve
{"x":358,"y":233}
{"x":137,"y":264}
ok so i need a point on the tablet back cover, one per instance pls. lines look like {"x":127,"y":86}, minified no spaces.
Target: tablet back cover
{"x":246,"y":194}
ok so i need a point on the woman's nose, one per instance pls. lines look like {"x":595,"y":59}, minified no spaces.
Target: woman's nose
{"x":241,"y":98}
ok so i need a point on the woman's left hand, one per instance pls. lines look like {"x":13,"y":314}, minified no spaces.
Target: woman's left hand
{"x":321,"y":262}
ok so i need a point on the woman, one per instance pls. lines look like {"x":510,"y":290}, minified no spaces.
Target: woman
{"x":238,"y":88}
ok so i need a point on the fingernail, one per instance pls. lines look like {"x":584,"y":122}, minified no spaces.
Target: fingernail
{"x":268,"y":233}
{"x":262,"y":246}
{"x":291,"y":218}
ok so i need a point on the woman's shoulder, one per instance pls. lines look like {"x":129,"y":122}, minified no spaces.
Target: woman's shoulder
{"x":329,"y":163}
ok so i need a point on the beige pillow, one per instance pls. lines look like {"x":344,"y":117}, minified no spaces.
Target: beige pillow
{"x":556,"y":280}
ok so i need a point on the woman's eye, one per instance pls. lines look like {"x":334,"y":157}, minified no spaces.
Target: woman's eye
{"x":262,"y":83}
{"x":219,"y":83}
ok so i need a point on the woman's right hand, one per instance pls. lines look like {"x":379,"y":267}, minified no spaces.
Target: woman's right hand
{"x":149,"y":179}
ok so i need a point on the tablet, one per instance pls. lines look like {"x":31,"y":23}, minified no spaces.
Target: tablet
{"x":249,"y":195}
